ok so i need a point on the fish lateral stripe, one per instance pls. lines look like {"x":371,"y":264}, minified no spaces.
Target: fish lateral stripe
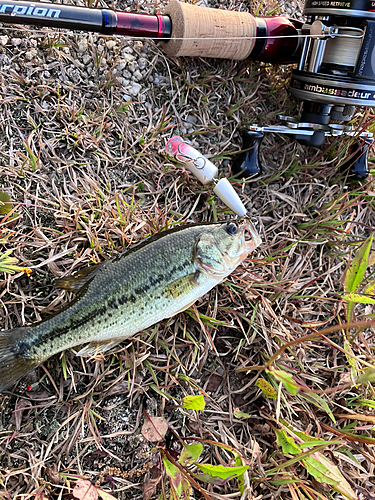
{"x":29,"y":10}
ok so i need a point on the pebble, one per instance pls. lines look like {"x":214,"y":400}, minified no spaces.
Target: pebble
{"x":142,"y":63}
{"x":123,"y":81}
{"x":128,"y":58}
{"x":127,"y":50}
{"x":110,"y":44}
{"x":82,"y":46}
{"x":121,"y":65}
{"x":86,"y":59}
{"x":30,"y":54}
{"x":16,"y":41}
{"x":191,"y":119}
{"x":137,"y":75}
{"x":4,"y":40}
{"x":135,"y":89}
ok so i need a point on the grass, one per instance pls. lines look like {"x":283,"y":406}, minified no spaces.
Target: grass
{"x":289,"y":392}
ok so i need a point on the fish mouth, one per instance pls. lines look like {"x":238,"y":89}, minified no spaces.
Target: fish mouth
{"x":250,"y":236}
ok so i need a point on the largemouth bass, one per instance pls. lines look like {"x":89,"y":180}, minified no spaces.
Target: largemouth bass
{"x":149,"y":282}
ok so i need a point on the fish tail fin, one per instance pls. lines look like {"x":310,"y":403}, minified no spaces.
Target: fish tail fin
{"x":13,"y":365}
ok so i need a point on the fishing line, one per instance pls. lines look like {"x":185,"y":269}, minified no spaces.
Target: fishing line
{"x":128,"y":37}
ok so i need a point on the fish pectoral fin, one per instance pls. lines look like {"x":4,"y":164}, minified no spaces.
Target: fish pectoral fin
{"x":95,"y":348}
{"x":75,"y":282}
{"x":182,"y":286}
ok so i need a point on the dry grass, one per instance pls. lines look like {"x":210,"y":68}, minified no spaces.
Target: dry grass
{"x":87,"y":176}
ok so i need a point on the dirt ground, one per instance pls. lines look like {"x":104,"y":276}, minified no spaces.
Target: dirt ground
{"x":83,"y":127}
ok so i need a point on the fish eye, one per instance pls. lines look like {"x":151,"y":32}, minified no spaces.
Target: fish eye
{"x":231,"y":228}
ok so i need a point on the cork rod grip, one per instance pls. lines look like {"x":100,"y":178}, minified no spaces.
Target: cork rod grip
{"x":201,"y":31}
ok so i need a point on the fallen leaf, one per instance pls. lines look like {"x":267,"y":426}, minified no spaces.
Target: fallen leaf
{"x":190,"y":453}
{"x":105,"y":495}
{"x":154,"y":429}
{"x":286,"y":442}
{"x":268,"y":391}
{"x":5,"y":206}
{"x":358,"y":298}
{"x":52,"y":474}
{"x":180,"y":486}
{"x":194,"y":403}
{"x":149,"y":486}
{"x":214,"y":382}
{"x":207,"y":478}
{"x":84,"y":490}
{"x":240,"y":414}
{"x":222,"y":471}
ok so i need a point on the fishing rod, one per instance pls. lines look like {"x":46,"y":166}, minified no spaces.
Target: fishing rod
{"x":334,"y":49}
{"x":186,"y":30}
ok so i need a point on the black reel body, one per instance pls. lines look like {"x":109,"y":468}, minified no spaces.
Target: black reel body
{"x":335,"y":75}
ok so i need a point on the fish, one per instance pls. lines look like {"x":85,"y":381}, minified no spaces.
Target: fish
{"x":150,"y":281}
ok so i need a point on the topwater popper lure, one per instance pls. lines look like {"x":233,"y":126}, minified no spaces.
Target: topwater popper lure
{"x":205,"y":171}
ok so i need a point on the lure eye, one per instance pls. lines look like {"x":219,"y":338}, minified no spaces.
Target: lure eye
{"x":231,"y":228}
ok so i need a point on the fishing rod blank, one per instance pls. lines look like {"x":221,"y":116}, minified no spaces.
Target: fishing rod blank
{"x":187,"y":30}
{"x":104,"y":21}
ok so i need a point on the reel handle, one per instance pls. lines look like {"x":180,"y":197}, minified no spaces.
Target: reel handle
{"x":247,"y":163}
{"x":357,"y":163}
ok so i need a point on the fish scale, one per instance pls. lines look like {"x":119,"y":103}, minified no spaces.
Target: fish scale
{"x":149,"y":282}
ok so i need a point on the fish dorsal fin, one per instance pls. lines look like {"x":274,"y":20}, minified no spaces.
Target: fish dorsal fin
{"x":75,"y":282}
{"x":95,"y":348}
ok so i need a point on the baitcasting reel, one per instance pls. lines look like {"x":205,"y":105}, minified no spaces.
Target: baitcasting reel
{"x":334,"y":50}
{"x":335,"y":75}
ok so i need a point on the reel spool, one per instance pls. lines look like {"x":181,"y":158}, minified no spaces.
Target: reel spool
{"x":335,"y":75}
{"x":336,"y":70}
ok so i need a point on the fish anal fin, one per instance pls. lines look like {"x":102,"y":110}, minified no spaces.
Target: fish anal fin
{"x":75,"y":282}
{"x":96,"y":348}
{"x":182,"y":286}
